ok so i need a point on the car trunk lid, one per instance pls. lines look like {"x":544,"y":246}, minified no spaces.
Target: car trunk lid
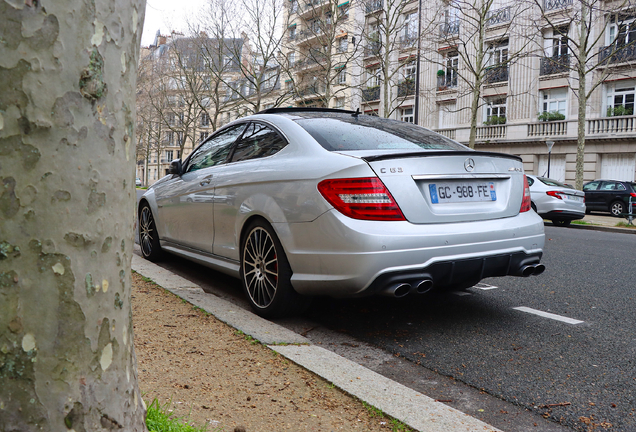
{"x":451,"y":186}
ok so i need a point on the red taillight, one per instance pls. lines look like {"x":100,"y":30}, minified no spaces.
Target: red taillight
{"x":361,"y":198}
{"x":633,"y":194}
{"x":526,"y":202}
{"x":555,"y":194}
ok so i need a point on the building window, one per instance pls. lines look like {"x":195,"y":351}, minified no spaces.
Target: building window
{"x":410,"y":27}
{"x":343,"y":44}
{"x":449,"y":77}
{"x":205,"y":119}
{"x":291,"y":59}
{"x":293,"y":6}
{"x":498,"y":53}
{"x":171,"y":118}
{"x":495,"y":112}
{"x":179,"y":138}
{"x":373,"y":77}
{"x":202,"y":136}
{"x":555,"y":42}
{"x":554,"y":101}
{"x":621,"y":31}
{"x":447,"y":115}
{"x":169,"y":155}
{"x":406,"y":115}
{"x":343,"y":11}
{"x":342,"y":76}
{"x":620,"y":98}
{"x":292,"y":33}
{"x":409,"y":70}
{"x":339,"y":102}
{"x":169,"y":137}
{"x":450,"y":26}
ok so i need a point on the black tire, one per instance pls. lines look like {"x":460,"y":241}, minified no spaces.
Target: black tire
{"x":148,"y":236}
{"x":266,"y":274}
{"x":563,"y":223}
{"x":617,"y":208}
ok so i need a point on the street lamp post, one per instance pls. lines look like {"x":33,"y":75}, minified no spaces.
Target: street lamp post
{"x":549,"y":144}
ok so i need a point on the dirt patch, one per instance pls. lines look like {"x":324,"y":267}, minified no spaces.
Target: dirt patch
{"x":211,"y":374}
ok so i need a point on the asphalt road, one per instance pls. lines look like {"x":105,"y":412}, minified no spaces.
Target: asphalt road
{"x":492,"y":351}
{"x":577,"y":367}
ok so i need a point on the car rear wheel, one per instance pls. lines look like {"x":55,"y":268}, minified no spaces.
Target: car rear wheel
{"x":617,"y":208}
{"x":561,"y":222}
{"x":148,"y":236}
{"x":266,"y":274}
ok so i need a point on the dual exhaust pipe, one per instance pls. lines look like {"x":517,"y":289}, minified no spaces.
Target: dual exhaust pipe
{"x":531,"y":270}
{"x":425,"y":285}
{"x":402,"y":289}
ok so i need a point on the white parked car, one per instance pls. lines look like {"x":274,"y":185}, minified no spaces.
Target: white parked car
{"x":556,"y":201}
{"x":301,"y":202}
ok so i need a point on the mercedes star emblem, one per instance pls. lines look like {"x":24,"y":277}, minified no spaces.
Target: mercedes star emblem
{"x":469,"y":164}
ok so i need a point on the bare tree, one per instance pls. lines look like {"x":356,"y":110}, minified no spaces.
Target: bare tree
{"x":468,"y":57}
{"x":320,"y":52}
{"x":592,"y":41}
{"x":390,"y":33}
{"x":67,"y":120}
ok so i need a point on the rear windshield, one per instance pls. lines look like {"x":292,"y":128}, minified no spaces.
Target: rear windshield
{"x":554,"y":183}
{"x":344,"y":133}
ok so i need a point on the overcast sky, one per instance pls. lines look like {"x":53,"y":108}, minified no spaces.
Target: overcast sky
{"x":167,"y":15}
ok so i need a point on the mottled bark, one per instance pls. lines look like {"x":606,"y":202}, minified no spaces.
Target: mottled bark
{"x":67,"y":193}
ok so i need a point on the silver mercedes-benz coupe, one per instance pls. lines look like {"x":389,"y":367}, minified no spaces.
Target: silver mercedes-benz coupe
{"x":302,"y":202}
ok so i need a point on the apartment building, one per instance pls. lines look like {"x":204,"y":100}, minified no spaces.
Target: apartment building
{"x":520,"y":56}
{"x":187,"y":88}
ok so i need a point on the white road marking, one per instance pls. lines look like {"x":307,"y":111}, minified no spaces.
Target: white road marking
{"x":485,"y":286}
{"x":549,"y":315}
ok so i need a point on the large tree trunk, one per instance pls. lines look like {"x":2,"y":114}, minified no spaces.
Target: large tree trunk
{"x":67,"y":194}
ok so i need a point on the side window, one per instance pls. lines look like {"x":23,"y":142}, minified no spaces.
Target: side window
{"x":607,"y":186}
{"x":591,"y":186}
{"x":258,"y":141}
{"x":530,"y":181}
{"x":620,"y":186}
{"x":216,"y":150}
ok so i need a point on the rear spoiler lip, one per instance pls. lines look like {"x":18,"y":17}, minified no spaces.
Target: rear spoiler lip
{"x":440,"y":153}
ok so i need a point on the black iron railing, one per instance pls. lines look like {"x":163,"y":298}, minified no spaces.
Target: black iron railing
{"x":616,"y":53}
{"x":371,"y":94}
{"x":554,"y":65}
{"x":406,"y":88}
{"x":496,"y":74}
{"x":498,"y":16}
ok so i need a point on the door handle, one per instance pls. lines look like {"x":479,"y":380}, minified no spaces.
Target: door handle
{"x":205,"y":182}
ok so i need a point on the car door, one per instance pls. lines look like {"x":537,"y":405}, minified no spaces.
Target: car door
{"x":608,"y":191}
{"x":244,"y":177}
{"x":186,"y":206}
{"x":592,"y":198}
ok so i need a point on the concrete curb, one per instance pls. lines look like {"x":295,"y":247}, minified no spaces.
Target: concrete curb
{"x":604,"y":228}
{"x":414,"y":409}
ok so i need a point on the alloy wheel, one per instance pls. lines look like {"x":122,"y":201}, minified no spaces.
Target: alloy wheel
{"x":260,"y":267}
{"x":147,"y":231}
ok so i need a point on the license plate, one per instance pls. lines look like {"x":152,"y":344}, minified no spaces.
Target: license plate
{"x":575,"y":198}
{"x":462,"y":192}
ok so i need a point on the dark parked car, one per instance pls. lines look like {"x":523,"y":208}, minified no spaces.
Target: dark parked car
{"x":610,"y":196}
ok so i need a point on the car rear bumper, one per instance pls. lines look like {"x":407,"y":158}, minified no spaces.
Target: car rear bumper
{"x":342,"y":257}
{"x":563,"y":215}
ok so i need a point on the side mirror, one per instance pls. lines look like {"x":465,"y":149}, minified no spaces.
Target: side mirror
{"x":175,"y":167}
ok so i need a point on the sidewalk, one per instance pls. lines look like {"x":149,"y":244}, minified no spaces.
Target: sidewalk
{"x":604,"y":222}
{"x":414,"y":409}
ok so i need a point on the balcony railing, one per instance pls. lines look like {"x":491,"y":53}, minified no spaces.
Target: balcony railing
{"x":312,"y":90}
{"x":617,"y":53}
{"x":373,"y":49}
{"x":409,"y":41}
{"x":371,"y":94}
{"x":491,"y":132}
{"x":554,"y":65}
{"x":496,"y":74}
{"x":551,"y":128}
{"x":406,"y":88}
{"x":498,"y":16}
{"x":549,"y":5}
{"x":448,"y":133}
{"x":373,"y":6}
{"x":449,"y":29}
{"x":612,"y":125}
